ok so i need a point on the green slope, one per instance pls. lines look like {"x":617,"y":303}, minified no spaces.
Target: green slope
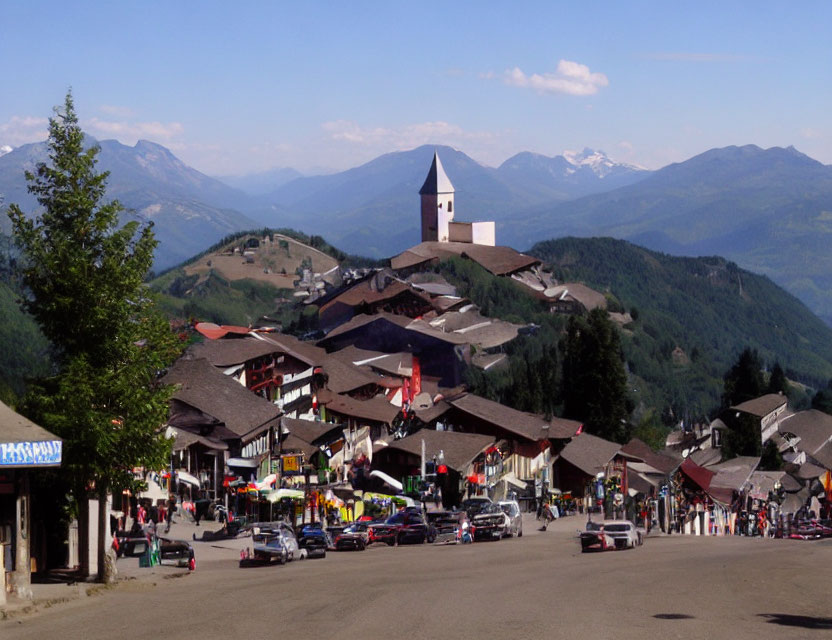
{"x":708,"y":307}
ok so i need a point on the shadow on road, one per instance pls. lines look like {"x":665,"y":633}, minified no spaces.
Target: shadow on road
{"x":673,"y":616}
{"x":806,"y":622}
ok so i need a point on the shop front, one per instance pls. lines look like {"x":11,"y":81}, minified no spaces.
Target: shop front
{"x":24,"y":448}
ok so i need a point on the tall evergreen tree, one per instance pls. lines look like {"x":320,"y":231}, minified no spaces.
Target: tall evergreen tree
{"x":777,"y":382}
{"x":744,"y":381}
{"x":594,"y":382}
{"x":822,"y":400}
{"x":84,"y":276}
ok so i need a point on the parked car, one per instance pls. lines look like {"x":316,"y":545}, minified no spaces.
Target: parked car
{"x":445,"y":526}
{"x":488,"y":522}
{"x":355,"y":536}
{"x":315,"y":540}
{"x":513,"y":517}
{"x":472,"y":506}
{"x":273,"y":541}
{"x":610,"y":535}
{"x":399,"y":528}
{"x":177,"y":552}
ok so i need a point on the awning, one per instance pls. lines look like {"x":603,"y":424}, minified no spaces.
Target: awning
{"x":388,"y":480}
{"x":187,"y":478}
{"x":511,"y":479}
{"x":279,"y":494}
{"x":245,"y":463}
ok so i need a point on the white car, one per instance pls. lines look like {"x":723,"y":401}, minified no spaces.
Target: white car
{"x":513,"y":518}
{"x":611,"y":534}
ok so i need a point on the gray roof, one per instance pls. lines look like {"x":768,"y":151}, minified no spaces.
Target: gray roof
{"x":203,"y":386}
{"x":15,"y":428}
{"x":459,"y":449}
{"x":734,"y":473}
{"x":590,"y":453}
{"x":813,"y":427}
{"x":226,"y":352}
{"x":437,"y":180}
{"x":526,"y":425}
{"x":762,"y":406}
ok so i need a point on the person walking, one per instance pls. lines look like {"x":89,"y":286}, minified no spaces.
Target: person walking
{"x":169,"y":514}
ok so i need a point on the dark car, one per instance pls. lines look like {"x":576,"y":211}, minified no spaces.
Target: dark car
{"x":400,"y":528}
{"x":315,"y":541}
{"x":445,"y":526}
{"x":356,"y":536}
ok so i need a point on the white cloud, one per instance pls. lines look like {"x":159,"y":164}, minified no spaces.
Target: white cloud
{"x":19,"y":130}
{"x":570,"y":77}
{"x":130,"y":132}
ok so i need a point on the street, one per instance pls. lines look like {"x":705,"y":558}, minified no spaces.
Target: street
{"x":537,"y":586}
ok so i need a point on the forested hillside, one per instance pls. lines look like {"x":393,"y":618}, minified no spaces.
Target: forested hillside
{"x":693,"y":316}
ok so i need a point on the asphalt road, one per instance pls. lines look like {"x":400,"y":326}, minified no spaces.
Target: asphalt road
{"x":537,"y":586}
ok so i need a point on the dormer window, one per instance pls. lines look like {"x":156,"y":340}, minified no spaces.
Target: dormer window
{"x":450,"y":206}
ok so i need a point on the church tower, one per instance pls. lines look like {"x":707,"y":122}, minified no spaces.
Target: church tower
{"x":437,"y":203}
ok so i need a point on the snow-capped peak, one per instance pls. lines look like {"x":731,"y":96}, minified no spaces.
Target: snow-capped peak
{"x":4,"y":149}
{"x":600,"y":163}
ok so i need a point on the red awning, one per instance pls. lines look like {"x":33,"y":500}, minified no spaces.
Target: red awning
{"x":699,"y":475}
{"x":214,"y":332}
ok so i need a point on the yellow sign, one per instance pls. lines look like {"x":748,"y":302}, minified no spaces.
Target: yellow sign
{"x":291,"y":464}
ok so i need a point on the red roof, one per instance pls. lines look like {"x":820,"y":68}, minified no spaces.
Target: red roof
{"x":214,"y":332}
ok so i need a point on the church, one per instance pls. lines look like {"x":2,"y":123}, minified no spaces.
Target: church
{"x":438,"y":223}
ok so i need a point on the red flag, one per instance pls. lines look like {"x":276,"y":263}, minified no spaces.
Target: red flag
{"x":416,"y":378}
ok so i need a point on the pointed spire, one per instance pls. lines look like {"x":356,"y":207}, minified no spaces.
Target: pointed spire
{"x":437,"y":181}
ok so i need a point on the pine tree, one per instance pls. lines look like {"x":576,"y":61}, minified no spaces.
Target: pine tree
{"x":84,"y":277}
{"x":594,"y":382}
{"x":745,"y":380}
{"x":777,"y":382}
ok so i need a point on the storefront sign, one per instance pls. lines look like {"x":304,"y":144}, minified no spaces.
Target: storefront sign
{"x":30,"y":454}
{"x":291,"y":465}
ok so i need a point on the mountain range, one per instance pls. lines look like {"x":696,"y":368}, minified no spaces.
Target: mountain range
{"x":769,"y":210}
{"x":190,"y":210}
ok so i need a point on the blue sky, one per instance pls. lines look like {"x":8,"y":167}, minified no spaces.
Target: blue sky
{"x":235,"y":88}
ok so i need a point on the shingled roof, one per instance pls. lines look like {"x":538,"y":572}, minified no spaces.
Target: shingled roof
{"x":659,"y":461}
{"x":589,"y":453}
{"x":813,"y":427}
{"x":227,"y":352}
{"x":203,"y":386}
{"x":376,"y":409}
{"x":499,"y":261}
{"x":526,"y":425}
{"x":311,"y":431}
{"x":762,"y":406}
{"x":459,"y":449}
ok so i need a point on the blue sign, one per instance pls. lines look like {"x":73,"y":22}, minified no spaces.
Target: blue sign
{"x":30,"y":454}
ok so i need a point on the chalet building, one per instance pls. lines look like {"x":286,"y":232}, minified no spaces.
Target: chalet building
{"x":573,"y":298}
{"x":444,"y":355}
{"x":275,"y":366}
{"x":578,"y":464}
{"x":438,"y":224}
{"x":463,"y":455}
{"x":219,"y":423}
{"x":25,"y":447}
{"x":527,"y":442}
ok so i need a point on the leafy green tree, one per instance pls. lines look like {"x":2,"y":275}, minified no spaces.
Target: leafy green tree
{"x":84,"y":276}
{"x":594,"y":382}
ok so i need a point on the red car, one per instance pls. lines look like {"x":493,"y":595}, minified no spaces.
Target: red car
{"x":400,"y":528}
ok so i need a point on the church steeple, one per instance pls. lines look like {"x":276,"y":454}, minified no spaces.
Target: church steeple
{"x":437,"y":181}
{"x":437,"y":203}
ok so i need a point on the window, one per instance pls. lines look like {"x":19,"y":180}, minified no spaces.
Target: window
{"x":450,"y":206}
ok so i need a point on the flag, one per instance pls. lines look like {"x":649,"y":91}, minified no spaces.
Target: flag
{"x":416,"y":378}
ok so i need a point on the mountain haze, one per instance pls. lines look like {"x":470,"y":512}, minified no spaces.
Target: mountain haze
{"x":769,"y":210}
{"x":189,"y":209}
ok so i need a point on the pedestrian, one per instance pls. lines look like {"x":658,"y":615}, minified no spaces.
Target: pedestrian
{"x":437,"y":496}
{"x":170,"y":510}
